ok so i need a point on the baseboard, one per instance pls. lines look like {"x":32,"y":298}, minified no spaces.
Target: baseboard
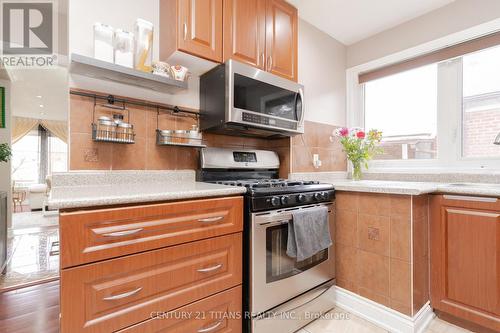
{"x":381,"y":315}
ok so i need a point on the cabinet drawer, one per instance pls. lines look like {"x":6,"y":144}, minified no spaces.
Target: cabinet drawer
{"x":220,"y":313}
{"x":93,"y":235}
{"x":114,"y":294}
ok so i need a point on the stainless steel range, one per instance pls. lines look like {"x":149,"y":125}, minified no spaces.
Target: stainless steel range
{"x":281,"y":294}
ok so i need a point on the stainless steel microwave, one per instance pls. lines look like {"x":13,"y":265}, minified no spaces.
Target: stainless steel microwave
{"x":238,"y":99}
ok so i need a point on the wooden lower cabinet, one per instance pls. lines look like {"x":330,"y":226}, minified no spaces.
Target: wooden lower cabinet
{"x":145,"y":268}
{"x":465,"y":258}
{"x":220,"y":313}
{"x":96,"y":234}
{"x":113,"y":294}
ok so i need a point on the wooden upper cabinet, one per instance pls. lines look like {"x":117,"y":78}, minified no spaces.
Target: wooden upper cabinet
{"x":263,"y":34}
{"x":465,"y":259}
{"x":245,"y":31}
{"x":191,"y":26}
{"x":281,"y":39}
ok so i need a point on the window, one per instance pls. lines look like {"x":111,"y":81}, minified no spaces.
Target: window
{"x":36,"y":155}
{"x":481,"y":103}
{"x":58,"y":151}
{"x":26,"y":159}
{"x":444,"y":114}
{"x":404,"y":107}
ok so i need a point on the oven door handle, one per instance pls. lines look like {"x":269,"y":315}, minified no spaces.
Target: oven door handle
{"x":294,"y":305}
{"x":272,"y":224}
{"x":282,"y":216}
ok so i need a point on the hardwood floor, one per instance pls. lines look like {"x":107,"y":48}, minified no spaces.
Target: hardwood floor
{"x":30,"y":310}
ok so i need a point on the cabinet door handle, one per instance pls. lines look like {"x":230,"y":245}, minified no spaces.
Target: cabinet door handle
{"x":209,"y":269}
{"x":123,"y":233}
{"x":185,"y":27}
{"x":211,"y":328}
{"x":122,"y":296}
{"x":270,"y":63}
{"x":469,"y":198}
{"x":211,"y":219}
{"x":262,"y":61}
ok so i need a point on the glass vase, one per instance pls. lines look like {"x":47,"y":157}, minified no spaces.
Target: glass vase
{"x":356,"y":171}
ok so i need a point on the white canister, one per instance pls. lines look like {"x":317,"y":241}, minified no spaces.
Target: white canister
{"x":124,"y":48}
{"x":103,"y":42}
{"x":143,"y":57}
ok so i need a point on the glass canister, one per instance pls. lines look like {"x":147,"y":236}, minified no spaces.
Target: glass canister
{"x":143,"y":57}
{"x":125,"y":132}
{"x":124,"y":48}
{"x":106,"y":129}
{"x":103,"y":42}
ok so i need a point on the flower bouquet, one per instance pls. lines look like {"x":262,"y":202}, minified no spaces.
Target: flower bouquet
{"x":359,"y":146}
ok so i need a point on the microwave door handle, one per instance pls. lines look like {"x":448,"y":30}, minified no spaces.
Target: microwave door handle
{"x":300,"y":94}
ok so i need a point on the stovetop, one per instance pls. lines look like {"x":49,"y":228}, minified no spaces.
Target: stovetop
{"x":265,"y":194}
{"x":258,"y":187}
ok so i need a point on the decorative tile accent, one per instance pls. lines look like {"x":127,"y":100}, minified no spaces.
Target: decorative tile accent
{"x":373,"y":233}
{"x":91,"y":155}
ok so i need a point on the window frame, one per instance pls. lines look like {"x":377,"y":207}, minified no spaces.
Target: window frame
{"x":450,"y":111}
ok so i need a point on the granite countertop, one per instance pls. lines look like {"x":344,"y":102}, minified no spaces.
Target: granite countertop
{"x":381,"y":186}
{"x":89,"y":189}
{"x":416,"y":188}
{"x":452,"y":186}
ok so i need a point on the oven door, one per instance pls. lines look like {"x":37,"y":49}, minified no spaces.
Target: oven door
{"x":260,"y":99}
{"x":275,"y":277}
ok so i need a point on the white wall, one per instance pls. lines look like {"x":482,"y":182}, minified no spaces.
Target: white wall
{"x":322,"y":64}
{"x":455,"y":17}
{"x":5,"y":182}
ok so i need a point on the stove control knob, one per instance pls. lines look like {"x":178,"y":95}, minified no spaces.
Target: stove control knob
{"x":284,"y":200}
{"x":275,"y":201}
{"x":301,"y":198}
{"x":318,"y":196}
{"x":324,"y":195}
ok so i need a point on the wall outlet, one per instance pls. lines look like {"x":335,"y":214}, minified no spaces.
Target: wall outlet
{"x":316,"y":161}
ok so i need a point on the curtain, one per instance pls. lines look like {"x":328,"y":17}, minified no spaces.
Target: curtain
{"x":43,"y":166}
{"x":22,"y":126}
{"x":56,"y":128}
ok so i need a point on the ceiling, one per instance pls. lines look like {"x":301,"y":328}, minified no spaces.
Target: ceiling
{"x":350,"y":21}
{"x":39,"y":93}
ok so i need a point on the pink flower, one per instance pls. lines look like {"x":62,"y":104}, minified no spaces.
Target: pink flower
{"x":344,"y":131}
{"x":361,"y":135}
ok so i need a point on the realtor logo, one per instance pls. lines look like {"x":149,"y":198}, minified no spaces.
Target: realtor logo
{"x":27,"y":28}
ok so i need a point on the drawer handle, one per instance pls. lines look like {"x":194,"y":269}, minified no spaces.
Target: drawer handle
{"x":122,"y":296}
{"x":211,"y":219}
{"x":211,"y":328}
{"x":209,"y":269}
{"x":123,"y":233}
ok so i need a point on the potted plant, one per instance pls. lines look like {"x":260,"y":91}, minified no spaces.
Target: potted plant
{"x":5,"y":152}
{"x":359,"y":146}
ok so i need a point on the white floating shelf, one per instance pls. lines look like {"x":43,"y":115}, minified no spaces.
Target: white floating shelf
{"x":91,"y":67}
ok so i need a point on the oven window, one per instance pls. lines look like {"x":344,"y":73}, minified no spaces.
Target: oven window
{"x":257,"y":96}
{"x":278,"y":264}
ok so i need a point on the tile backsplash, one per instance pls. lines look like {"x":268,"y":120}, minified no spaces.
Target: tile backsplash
{"x":317,"y":139}
{"x":84,"y":154}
